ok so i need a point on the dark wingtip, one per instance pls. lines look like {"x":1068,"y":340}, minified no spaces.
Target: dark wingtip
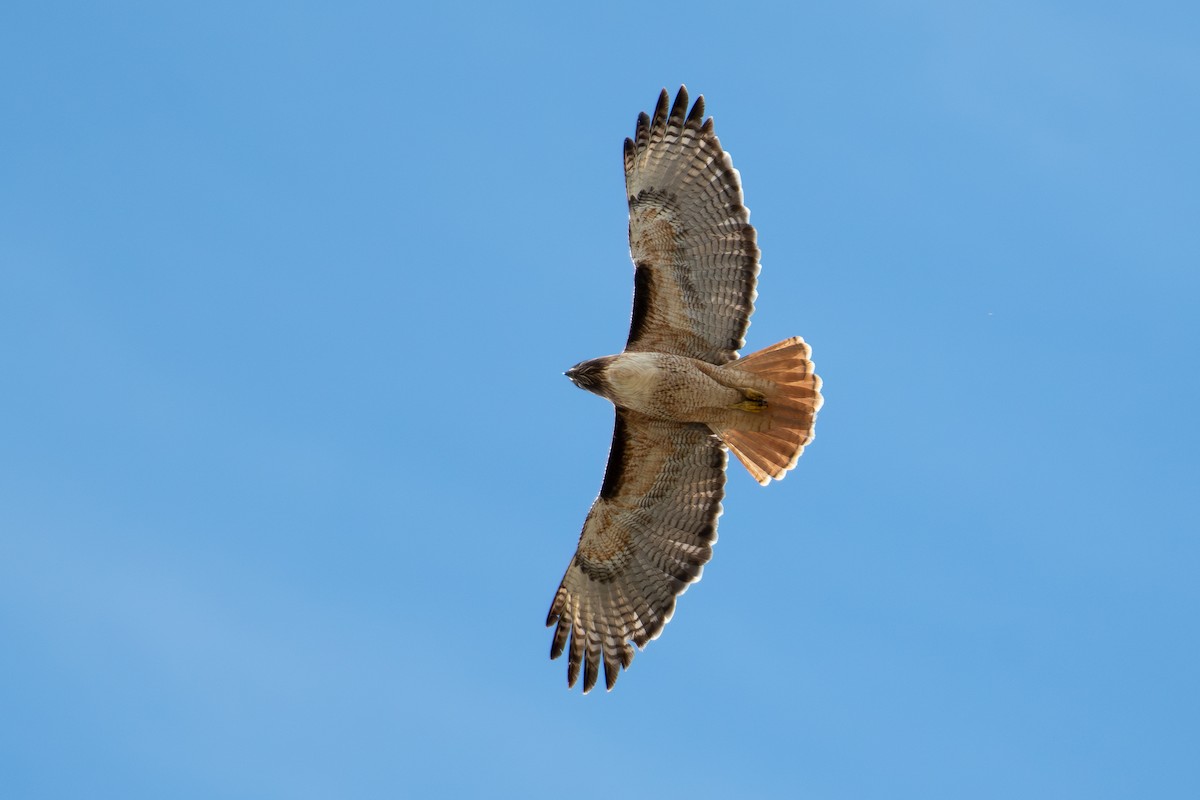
{"x":556,"y":607}
{"x":610,"y":675}
{"x":626,"y":656}
{"x":589,"y":674}
{"x":572,"y":673}
{"x":660,"y":109}
{"x":680,"y":108}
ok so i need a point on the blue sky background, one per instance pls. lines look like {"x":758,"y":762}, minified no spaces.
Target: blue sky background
{"x":289,"y":471}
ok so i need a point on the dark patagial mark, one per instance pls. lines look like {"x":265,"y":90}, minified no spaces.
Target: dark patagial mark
{"x":616,"y":460}
{"x":643,"y":289}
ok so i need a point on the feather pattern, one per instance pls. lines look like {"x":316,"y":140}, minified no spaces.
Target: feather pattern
{"x":694,"y":251}
{"x":640,"y":547}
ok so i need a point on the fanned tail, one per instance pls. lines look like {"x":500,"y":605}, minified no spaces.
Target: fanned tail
{"x":772,"y":444}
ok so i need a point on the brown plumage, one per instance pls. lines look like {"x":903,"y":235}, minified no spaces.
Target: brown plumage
{"x":793,"y":394}
{"x":681,"y":393}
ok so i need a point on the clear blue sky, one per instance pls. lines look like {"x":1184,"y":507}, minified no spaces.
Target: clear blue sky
{"x":289,"y":471}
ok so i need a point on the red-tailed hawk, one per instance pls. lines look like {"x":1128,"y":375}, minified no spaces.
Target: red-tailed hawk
{"x":681,"y":393}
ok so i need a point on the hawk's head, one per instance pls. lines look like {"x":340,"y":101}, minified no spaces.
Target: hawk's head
{"x":590,"y":374}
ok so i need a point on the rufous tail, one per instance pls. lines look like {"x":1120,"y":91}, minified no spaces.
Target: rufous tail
{"x":770,"y":442}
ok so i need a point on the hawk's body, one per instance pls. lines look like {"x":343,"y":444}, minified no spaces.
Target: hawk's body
{"x":681,"y":394}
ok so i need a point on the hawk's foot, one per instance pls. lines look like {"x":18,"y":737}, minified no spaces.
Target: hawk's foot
{"x":755,"y":402}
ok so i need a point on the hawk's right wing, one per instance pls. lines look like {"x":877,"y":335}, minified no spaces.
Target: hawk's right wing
{"x":647,"y":537}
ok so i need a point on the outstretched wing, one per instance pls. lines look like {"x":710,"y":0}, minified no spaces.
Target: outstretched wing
{"x":648,"y":535}
{"x":694,"y":251}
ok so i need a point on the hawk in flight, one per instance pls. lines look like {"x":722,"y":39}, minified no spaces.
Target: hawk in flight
{"x":682,"y":396}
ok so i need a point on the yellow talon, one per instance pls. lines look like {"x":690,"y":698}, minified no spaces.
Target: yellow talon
{"x":755,"y":402}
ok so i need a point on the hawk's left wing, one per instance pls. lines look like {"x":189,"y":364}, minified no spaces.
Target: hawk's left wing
{"x":694,"y":251}
{"x":647,"y":537}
